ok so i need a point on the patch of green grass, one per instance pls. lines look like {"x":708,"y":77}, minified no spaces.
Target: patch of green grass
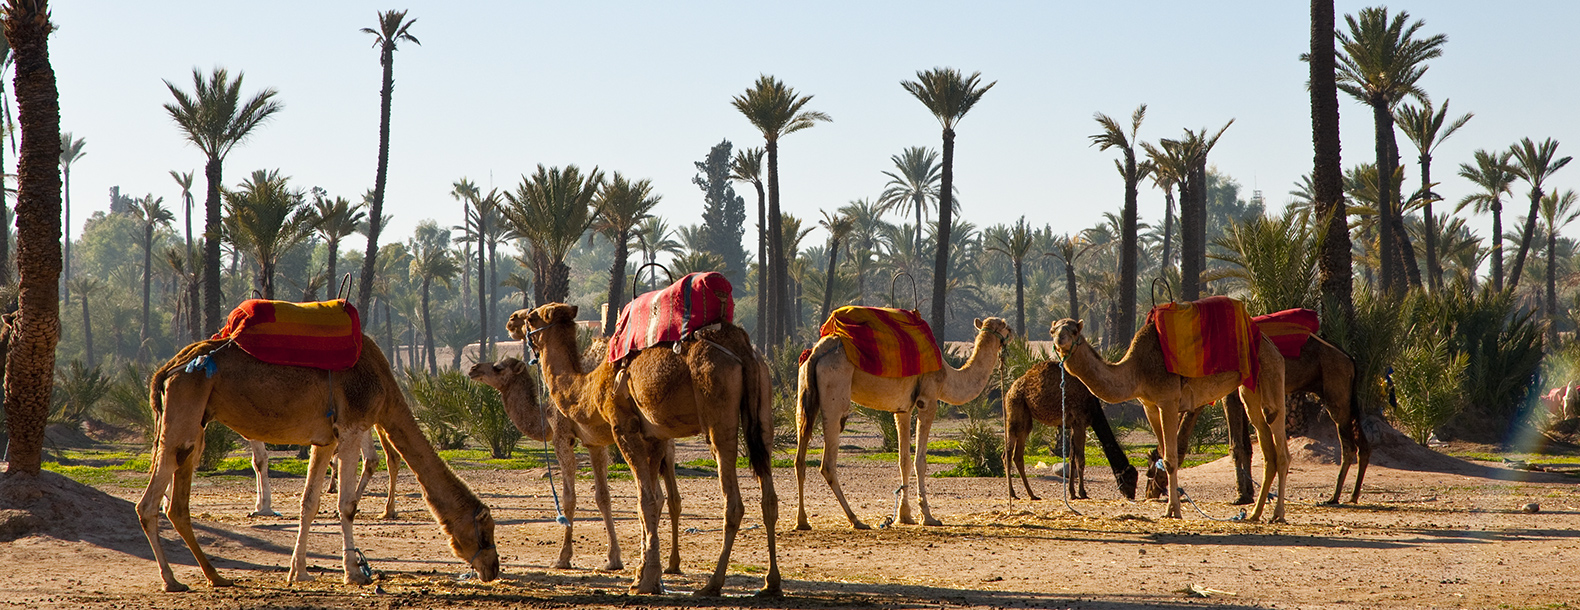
{"x":87,"y":475}
{"x":748,"y":569}
{"x":741,"y":461}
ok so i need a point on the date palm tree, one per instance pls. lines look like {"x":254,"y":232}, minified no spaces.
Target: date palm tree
{"x":1016,"y":245}
{"x":1558,"y":210}
{"x":949,"y":95}
{"x":1327,"y":174}
{"x":85,"y":287}
{"x":264,"y":219}
{"x":866,"y":222}
{"x":152,"y":213}
{"x":214,"y":118}
{"x":1534,"y":163}
{"x":776,"y":110}
{"x":393,"y":29}
{"x":1113,"y":136}
{"x":431,"y":260}
{"x":1381,"y":64}
{"x":465,"y":192}
{"x":1068,"y":250}
{"x":1492,"y":173}
{"x":747,"y":166}
{"x":913,"y":185}
{"x":1168,"y":173}
{"x":70,"y":153}
{"x":621,"y":203}
{"x":1192,"y":149}
{"x":334,"y":220}
{"x":552,"y":210}
{"x":655,"y":237}
{"x":839,"y":227}
{"x":1427,"y":128}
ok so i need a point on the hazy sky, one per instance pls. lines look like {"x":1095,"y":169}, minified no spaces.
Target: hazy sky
{"x":496,"y":88}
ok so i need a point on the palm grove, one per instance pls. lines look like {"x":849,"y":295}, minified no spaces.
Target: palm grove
{"x":1468,"y":323}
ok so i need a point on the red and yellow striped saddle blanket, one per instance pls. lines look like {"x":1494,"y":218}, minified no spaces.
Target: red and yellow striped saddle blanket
{"x":1289,"y":329}
{"x":1207,"y":337}
{"x":885,"y":342}
{"x":692,"y":302}
{"x":321,"y":335}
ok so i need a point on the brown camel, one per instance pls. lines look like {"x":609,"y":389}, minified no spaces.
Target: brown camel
{"x":713,"y":385}
{"x":1322,"y":369}
{"x":516,"y":386}
{"x":370,"y":464}
{"x":829,"y":383}
{"x":1035,"y":396}
{"x":286,"y":404}
{"x":1165,"y":396}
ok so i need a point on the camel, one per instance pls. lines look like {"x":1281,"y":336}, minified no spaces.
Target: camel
{"x":1036,"y":396}
{"x":370,"y":463}
{"x":829,"y":382}
{"x":1165,"y":396}
{"x":518,"y":390}
{"x":1322,"y":369}
{"x":209,"y":381}
{"x":713,"y":385}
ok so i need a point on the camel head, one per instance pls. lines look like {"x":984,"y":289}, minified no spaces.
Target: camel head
{"x":497,"y":375}
{"x":997,"y":326}
{"x":472,"y":539}
{"x":1066,"y":336}
{"x":527,"y":324}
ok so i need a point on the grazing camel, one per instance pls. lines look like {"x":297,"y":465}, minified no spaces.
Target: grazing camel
{"x":829,"y":382}
{"x":287,"y":404}
{"x":1165,"y":396}
{"x":1035,"y":396}
{"x":1322,"y":369}
{"x":565,"y":426}
{"x":712,"y":385}
{"x":370,"y":463}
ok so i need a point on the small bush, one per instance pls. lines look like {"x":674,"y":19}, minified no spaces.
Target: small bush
{"x":78,"y":390}
{"x":981,"y":452}
{"x":442,"y":418}
{"x":466,"y":409}
{"x":1429,"y":380}
{"x":218,"y":441}
{"x":886,"y":427}
{"x":126,"y":404}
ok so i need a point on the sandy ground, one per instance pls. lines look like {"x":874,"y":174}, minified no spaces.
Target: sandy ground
{"x":1448,"y":534}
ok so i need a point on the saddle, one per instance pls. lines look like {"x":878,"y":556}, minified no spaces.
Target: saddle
{"x":1206,"y":337}
{"x":1289,"y":329}
{"x":321,"y":335}
{"x":694,"y":302}
{"x":885,"y":342}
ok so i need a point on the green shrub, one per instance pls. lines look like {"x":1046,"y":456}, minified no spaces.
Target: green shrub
{"x":78,"y":390}
{"x":126,"y":404}
{"x":218,"y":441}
{"x":1430,"y":385}
{"x":442,"y":418}
{"x":1503,"y":345}
{"x":462,"y":408}
{"x":885,"y":422}
{"x":981,"y":452}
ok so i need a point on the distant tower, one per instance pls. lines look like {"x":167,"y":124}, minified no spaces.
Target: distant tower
{"x":1256,"y":197}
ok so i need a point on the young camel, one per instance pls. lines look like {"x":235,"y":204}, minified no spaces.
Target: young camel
{"x":1165,"y":396}
{"x":714,"y":385}
{"x":287,"y":404}
{"x":829,"y":382}
{"x":566,"y":425}
{"x":264,"y":506}
{"x":1322,"y":369}
{"x":1035,"y":397}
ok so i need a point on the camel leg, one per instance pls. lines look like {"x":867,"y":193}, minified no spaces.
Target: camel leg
{"x":370,"y":462}
{"x":1364,"y":452}
{"x":643,"y":455}
{"x":565,"y":454}
{"x":148,"y":507}
{"x":1269,"y":422}
{"x":180,"y":513}
{"x":1240,"y":445}
{"x":830,"y":466}
{"x":1075,"y":471}
{"x":348,"y":497}
{"x":672,"y":493}
{"x":393,"y":460}
{"x":801,"y":442}
{"x":317,"y":468}
{"x":902,"y":428}
{"x":725,"y":446}
{"x":1015,"y":453}
{"x":599,"y":456}
{"x":260,"y":470}
{"x":924,"y":426}
{"x":1165,"y":421}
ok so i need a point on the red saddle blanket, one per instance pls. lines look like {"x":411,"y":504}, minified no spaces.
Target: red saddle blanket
{"x":695,"y":301}
{"x":1289,"y":329}
{"x":321,"y":335}
{"x":1207,"y":337}
{"x":885,"y":342}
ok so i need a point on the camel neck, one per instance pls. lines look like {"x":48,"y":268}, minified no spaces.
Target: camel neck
{"x":562,"y":370}
{"x":966,"y":383}
{"x":447,"y":495}
{"x":1106,"y":381}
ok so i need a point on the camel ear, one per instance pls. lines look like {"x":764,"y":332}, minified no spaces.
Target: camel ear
{"x":574,"y":309}
{"x":1080,"y":324}
{"x":977,"y":322}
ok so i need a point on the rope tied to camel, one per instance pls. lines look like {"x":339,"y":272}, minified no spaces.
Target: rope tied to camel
{"x":543,"y":396}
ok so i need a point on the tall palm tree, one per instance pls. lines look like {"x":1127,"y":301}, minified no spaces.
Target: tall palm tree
{"x":465,"y":192}
{"x":187,"y":267}
{"x":30,"y":370}
{"x":1327,"y":174}
{"x":1113,"y":136}
{"x":1558,"y":210}
{"x":1168,"y":173}
{"x":866,"y":221}
{"x":215,"y":119}
{"x":152,"y":213}
{"x":655,"y":237}
{"x":1427,"y":128}
{"x":494,"y":231}
{"x":776,"y":110}
{"x":85,"y":287}
{"x":264,"y":219}
{"x":949,"y":95}
{"x":839,"y":227}
{"x":1193,"y":149}
{"x":1534,"y":163}
{"x":393,"y":29}
{"x":1381,"y":64}
{"x":1492,"y":173}
{"x":747,"y":166}
{"x":553,"y":209}
{"x":431,"y":260}
{"x":184,"y":180}
{"x":1016,"y":245}
{"x":913,"y":185}
{"x":70,"y":152}
{"x":335,"y":220}
{"x":1069,"y":250}
{"x":622,"y":203}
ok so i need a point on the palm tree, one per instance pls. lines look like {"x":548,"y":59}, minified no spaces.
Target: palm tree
{"x":465,"y":192}
{"x":6,"y":59}
{"x":552,"y":209}
{"x":85,"y":287}
{"x":431,"y":260}
{"x":839,"y":227}
{"x":1381,"y":64}
{"x":1558,"y":210}
{"x":949,"y":96}
{"x":335,"y":220}
{"x":1493,"y":174}
{"x":30,"y":370}
{"x":776,"y":110}
{"x":1534,"y":164}
{"x":866,"y":220}
{"x":913,"y":184}
{"x":747,"y":166}
{"x":522,"y":285}
{"x":70,"y":152}
{"x":1426,"y":129}
{"x":1327,"y":174}
{"x":393,"y":29}
{"x":265,"y":218}
{"x":214,"y":119}
{"x":1016,"y":245}
{"x":1113,"y":136}
{"x":185,"y":265}
{"x":1274,"y":259}
{"x":1193,"y":149}
{"x":492,"y":228}
{"x":1068,"y":250}
{"x":621,"y":204}
{"x":152,"y":212}
{"x":1168,"y":172}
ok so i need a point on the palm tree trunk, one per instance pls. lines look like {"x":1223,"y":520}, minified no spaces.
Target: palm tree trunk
{"x":1193,"y":227}
{"x":1382,"y":121}
{"x":779,"y":279}
{"x":1497,"y":245}
{"x":828,"y":280}
{"x":1434,"y":270}
{"x":1327,"y":175}
{"x":376,"y":212}
{"x":918,"y":201}
{"x":194,"y":305}
{"x":558,"y":289}
{"x":1020,"y":298}
{"x":1552,"y":287}
{"x":1127,"y":253}
{"x":5,"y":225}
{"x":1069,"y":288}
{"x":1407,"y":259}
{"x":87,"y":332}
{"x":148,"y":267}
{"x":764,"y":295}
{"x":1168,"y":226}
{"x":616,"y":283}
{"x":427,"y":330}
{"x":945,"y":212}
{"x":482,"y":291}
{"x":493,"y":293}
{"x":333,"y":282}
{"x":29,"y":376}
{"x":389,"y":331}
{"x":1525,"y":238}
{"x":266,"y":279}
{"x":211,"y":238}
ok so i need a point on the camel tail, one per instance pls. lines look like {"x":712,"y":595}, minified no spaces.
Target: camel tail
{"x":756,"y":414}
{"x":808,"y":403}
{"x":156,"y":387}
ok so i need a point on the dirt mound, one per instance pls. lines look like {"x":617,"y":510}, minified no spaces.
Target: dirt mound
{"x":55,"y":506}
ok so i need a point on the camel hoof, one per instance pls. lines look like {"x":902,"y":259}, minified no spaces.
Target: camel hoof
{"x":652,"y":589}
{"x":1033,"y":498}
{"x":390,"y":515}
{"x":356,"y":577}
{"x":263,"y":513}
{"x":221,"y":581}
{"x":670,"y":570}
{"x":302,"y":576}
{"x":771,"y":591}
{"x":176,"y":587}
{"x":858,"y":525}
{"x":611,"y":566}
{"x":1278,"y":520}
{"x":565,"y":564}
{"x":907,"y":521}
{"x":932,"y":522}
{"x":803,"y":526}
{"x":1242,"y":501}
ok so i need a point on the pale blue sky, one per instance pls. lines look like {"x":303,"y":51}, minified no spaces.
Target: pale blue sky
{"x":644,"y":88}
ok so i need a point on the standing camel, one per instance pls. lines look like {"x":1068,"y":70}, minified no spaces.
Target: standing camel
{"x":1322,"y":369}
{"x":829,"y":382}
{"x":264,"y":402}
{"x":1035,"y":396}
{"x":566,"y":425}
{"x":264,"y":506}
{"x":712,"y":385}
{"x":1165,"y":396}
